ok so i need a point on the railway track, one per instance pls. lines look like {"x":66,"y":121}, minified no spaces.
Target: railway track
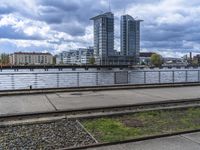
{"x":101,"y":111}
{"x":53,"y":121}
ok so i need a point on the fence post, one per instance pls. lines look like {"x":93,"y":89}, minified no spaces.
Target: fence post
{"x":173,"y":77}
{"x":12,"y":81}
{"x":58,"y":80}
{"x":145,"y":79}
{"x":78,"y":83}
{"x":159,"y":77}
{"x":198,"y":75}
{"x":36,"y":81}
{"x":97,"y":79}
{"x":115,"y":80}
{"x":186,"y":76}
{"x":128,"y":77}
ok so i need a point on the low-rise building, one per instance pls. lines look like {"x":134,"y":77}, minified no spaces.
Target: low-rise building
{"x":171,"y":60}
{"x":79,"y":56}
{"x":86,"y":55}
{"x":26,"y":58}
{"x":117,"y":60}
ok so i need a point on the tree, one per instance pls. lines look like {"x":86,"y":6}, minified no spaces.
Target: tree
{"x":195,"y":62}
{"x":143,"y":63}
{"x":156,"y":60}
{"x":54,"y":59}
{"x":92,"y":60}
{"x":4,"y":59}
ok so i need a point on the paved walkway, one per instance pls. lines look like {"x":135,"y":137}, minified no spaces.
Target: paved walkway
{"x":68,"y":101}
{"x":181,"y":142}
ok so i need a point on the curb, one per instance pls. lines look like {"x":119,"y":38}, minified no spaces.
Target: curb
{"x":116,"y":114}
{"x":94,"y":88}
{"x":133,"y":140}
{"x":97,"y":108}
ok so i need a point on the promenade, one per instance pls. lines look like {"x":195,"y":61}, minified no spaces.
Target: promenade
{"x":22,"y":104}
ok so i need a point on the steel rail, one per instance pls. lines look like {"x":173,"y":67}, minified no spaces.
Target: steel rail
{"x":116,"y":108}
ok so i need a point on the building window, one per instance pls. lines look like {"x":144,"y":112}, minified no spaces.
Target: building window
{"x":29,"y":59}
{"x":45,"y":59}
{"x":39,"y":59}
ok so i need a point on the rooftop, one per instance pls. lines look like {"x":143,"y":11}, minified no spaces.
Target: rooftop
{"x":31,"y":53}
{"x":131,"y":18}
{"x":146,"y":54}
{"x":107,"y":14}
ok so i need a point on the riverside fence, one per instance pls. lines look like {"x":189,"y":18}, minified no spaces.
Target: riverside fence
{"x":41,"y":80}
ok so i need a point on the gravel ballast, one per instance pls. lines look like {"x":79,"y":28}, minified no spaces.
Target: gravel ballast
{"x":53,"y":135}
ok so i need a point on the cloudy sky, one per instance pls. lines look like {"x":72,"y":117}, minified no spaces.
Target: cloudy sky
{"x":170,"y":27}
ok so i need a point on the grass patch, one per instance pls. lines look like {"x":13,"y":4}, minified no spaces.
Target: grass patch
{"x":112,"y":129}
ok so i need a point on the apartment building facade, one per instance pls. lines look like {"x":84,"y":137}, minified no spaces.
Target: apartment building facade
{"x":25,"y":58}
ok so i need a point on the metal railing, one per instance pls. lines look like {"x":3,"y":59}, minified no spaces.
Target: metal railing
{"x":39,"y":80}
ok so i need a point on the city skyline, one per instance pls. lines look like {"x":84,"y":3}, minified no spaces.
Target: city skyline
{"x":56,"y":26}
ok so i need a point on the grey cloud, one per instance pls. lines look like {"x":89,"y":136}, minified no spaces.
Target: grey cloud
{"x":170,"y":35}
{"x":51,"y":15}
{"x":163,"y":44}
{"x":8,"y":32}
{"x":61,"y":15}
{"x":4,"y":9}
{"x":70,"y":28}
{"x":9,"y":46}
{"x":69,"y":5}
{"x":123,"y":4}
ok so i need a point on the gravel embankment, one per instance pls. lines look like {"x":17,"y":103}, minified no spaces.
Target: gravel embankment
{"x":54,"y":135}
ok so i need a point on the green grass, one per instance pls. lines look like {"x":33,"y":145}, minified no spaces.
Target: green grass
{"x":112,"y":129}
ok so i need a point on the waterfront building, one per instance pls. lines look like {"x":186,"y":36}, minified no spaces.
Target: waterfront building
{"x":79,"y":56}
{"x":130,"y":37}
{"x":63,"y":58}
{"x":86,"y":55}
{"x":68,"y":57}
{"x":185,"y":58}
{"x":170,"y":61}
{"x":103,"y":36}
{"x":118,"y":60}
{"x":26,"y":58}
{"x":104,"y":52}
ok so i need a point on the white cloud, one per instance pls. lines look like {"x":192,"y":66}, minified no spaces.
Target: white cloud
{"x":8,"y":20}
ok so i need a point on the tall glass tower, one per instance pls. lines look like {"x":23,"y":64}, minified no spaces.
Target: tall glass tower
{"x":103,"y":35}
{"x":130,"y":37}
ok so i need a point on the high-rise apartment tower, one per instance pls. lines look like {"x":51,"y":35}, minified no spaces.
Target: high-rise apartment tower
{"x":103,"y":35}
{"x":130,"y":37}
